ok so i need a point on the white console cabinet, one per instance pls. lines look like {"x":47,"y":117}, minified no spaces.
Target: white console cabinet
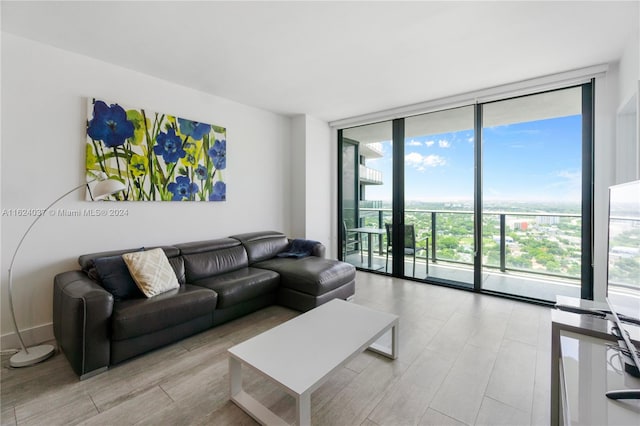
{"x":584,"y":365}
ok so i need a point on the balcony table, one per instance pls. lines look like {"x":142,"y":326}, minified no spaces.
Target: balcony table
{"x":370,"y":231}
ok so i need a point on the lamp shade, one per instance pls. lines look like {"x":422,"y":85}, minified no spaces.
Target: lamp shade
{"x":107,"y":187}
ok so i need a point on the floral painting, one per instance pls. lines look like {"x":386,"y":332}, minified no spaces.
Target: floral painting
{"x":157,"y":156}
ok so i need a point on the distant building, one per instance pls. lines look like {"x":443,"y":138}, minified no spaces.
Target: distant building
{"x":520,"y":226}
{"x":625,"y":251}
{"x":548,"y":220}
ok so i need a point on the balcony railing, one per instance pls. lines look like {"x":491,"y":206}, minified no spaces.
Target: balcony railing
{"x":370,"y":204}
{"x":532,"y":242}
{"x":370,"y":176}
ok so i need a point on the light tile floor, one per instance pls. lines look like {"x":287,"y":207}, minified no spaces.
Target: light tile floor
{"x":464,"y":358}
{"x":472,"y":359}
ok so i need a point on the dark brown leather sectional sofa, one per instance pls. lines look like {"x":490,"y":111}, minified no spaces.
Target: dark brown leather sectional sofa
{"x":219,"y":279}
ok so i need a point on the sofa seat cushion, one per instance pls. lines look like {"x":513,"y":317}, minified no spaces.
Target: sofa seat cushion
{"x":311,"y":275}
{"x":241,"y":285}
{"x":136,"y":317}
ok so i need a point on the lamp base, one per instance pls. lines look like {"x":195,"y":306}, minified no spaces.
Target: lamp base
{"x":34,"y":356}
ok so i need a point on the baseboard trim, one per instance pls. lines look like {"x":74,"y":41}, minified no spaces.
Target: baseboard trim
{"x":31,"y":336}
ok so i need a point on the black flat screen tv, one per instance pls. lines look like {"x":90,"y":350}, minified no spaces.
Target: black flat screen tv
{"x":623,"y":274}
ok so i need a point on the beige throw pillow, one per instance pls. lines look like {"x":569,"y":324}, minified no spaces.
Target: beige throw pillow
{"x":151,"y":271}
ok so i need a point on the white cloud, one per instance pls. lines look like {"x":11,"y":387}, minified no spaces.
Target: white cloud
{"x":442,"y":143}
{"x":569,"y":175}
{"x":413,"y":159}
{"x":421,"y":162}
{"x":434,"y":161}
{"x":429,"y":143}
{"x":414,"y":142}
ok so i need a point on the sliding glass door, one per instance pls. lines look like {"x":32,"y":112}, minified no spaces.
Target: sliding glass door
{"x":532,"y":194}
{"x":349,"y":185}
{"x":438,"y":196}
{"x":494,"y":196}
{"x":367,"y":195}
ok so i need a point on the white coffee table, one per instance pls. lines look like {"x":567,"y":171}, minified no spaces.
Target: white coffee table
{"x":301,"y":353}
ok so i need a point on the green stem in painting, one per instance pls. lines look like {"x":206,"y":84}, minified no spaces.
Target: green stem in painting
{"x":100,"y":157}
{"x":207,"y":162}
{"x":152,"y":185}
{"x":115,"y":154}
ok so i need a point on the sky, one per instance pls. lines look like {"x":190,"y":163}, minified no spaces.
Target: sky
{"x":528,"y":161}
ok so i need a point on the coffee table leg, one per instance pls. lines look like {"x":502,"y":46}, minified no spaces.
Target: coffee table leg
{"x":303,"y":408}
{"x":392,"y":352}
{"x":254,"y":408}
{"x":395,"y":340}
{"x":235,"y":377}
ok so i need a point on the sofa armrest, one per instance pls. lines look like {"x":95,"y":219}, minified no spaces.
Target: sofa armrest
{"x":81,"y":322}
{"x":319,"y":250}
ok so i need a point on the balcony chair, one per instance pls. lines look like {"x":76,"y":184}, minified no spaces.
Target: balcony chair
{"x":410,"y":247}
{"x":350,"y":241}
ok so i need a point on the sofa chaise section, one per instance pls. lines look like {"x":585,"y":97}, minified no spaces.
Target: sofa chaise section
{"x":311,"y":281}
{"x":305,"y":282}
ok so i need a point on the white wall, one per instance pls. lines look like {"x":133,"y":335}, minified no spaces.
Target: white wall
{"x":44,"y":93}
{"x":617,"y":156}
{"x":617,"y":148}
{"x":298,"y":178}
{"x":604,"y":173}
{"x":311,"y":188}
{"x":630,"y":67}
{"x":627,"y":147}
{"x":319,"y":172}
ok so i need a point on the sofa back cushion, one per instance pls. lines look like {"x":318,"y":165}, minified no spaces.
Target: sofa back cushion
{"x":114,"y":277}
{"x":177,"y":263}
{"x":263,"y":245}
{"x":88,"y":263}
{"x":209,"y":258}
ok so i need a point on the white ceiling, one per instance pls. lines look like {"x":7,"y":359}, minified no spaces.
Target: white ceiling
{"x":330,"y":59}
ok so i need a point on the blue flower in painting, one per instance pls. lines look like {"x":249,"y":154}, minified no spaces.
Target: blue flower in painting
{"x":218,"y":154}
{"x":109,"y":125}
{"x":182,"y":188}
{"x":193,"y":128}
{"x":219,"y":192}
{"x":201,"y":172}
{"x":169,"y":146}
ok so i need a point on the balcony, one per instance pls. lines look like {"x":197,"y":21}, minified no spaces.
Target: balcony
{"x":371,"y":150}
{"x":370,"y":204}
{"x":370,"y":176}
{"x":536,"y":255}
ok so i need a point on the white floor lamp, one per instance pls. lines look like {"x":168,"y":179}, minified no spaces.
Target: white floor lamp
{"x":35,"y":354}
